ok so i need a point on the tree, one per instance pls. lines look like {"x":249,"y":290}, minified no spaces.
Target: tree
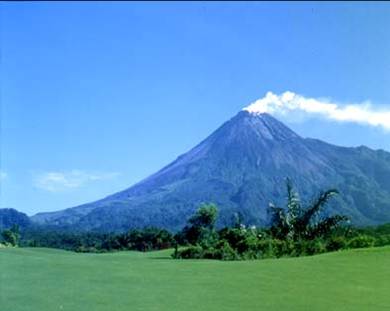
{"x":11,"y":236}
{"x":296,"y":222}
{"x":200,"y":228}
{"x":205,"y":216}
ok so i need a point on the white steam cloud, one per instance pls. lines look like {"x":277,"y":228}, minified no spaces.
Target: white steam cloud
{"x":363,"y":113}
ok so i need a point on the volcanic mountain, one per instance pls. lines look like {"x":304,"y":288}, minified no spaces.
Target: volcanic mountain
{"x":242,"y":167}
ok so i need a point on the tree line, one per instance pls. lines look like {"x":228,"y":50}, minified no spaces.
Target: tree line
{"x":295,"y":230}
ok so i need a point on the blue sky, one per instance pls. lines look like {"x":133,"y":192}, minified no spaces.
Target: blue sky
{"x":96,"y":96}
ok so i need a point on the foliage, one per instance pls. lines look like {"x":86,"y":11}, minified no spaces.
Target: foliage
{"x":336,"y":243}
{"x":200,"y":228}
{"x":11,"y":236}
{"x":295,"y":231}
{"x":191,"y":252}
{"x":296,"y":222}
{"x":381,"y":233}
{"x":141,"y":240}
{"x":361,"y":241}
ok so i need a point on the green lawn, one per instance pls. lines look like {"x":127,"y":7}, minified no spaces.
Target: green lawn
{"x":46,"y":279}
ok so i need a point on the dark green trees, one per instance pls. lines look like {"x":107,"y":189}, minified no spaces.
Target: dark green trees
{"x":11,"y":236}
{"x":200,"y":228}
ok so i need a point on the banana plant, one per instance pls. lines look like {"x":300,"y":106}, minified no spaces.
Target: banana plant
{"x":296,"y":222}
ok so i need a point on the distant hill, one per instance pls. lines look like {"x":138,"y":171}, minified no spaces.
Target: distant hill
{"x":241,"y":167}
{"x":10,"y":217}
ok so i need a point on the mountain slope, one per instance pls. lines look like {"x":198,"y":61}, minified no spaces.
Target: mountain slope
{"x":241,"y":167}
{"x":10,"y":217}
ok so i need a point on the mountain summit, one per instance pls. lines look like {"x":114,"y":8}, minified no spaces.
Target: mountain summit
{"x":242,"y":167}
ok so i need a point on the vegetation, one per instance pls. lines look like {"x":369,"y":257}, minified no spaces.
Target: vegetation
{"x":295,"y":230}
{"x":141,"y":240}
{"x":296,"y":223}
{"x":48,"y":279}
{"x":200,"y":239}
{"x":11,"y":236}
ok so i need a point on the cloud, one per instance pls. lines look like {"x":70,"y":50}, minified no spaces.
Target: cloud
{"x":60,"y":181}
{"x":363,"y":113}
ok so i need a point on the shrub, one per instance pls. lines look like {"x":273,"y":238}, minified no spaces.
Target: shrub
{"x":271,"y":248}
{"x":225,"y":251}
{"x":251,"y":255}
{"x":281,"y":248}
{"x":361,"y":241}
{"x":336,"y":243}
{"x":382,"y":240}
{"x":265,"y":248}
{"x":222,"y":251}
{"x":233,"y":236}
{"x":192,"y":252}
{"x":83,"y":249}
{"x":211,"y":253}
{"x":316,"y":246}
{"x":248,"y":243}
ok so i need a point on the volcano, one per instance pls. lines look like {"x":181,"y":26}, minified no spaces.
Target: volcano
{"x":242,"y":167}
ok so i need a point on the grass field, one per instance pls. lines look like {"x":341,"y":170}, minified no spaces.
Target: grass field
{"x":48,"y":280}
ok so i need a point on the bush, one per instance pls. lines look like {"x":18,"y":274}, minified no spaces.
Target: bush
{"x":361,"y":241}
{"x":336,"y":243}
{"x":90,"y":249}
{"x":225,"y":251}
{"x":245,"y":242}
{"x":249,"y":243}
{"x":233,"y":236}
{"x":211,"y":253}
{"x":251,"y":255}
{"x":271,"y":248}
{"x":382,"y":240}
{"x":281,"y":248}
{"x":222,"y":251}
{"x":265,"y":247}
{"x":192,"y":252}
{"x":316,"y":246}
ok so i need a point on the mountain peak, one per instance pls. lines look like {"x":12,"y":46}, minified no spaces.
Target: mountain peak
{"x":241,"y":167}
{"x":263,"y":125}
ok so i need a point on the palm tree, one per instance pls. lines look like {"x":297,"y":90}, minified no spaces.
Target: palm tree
{"x":296,"y":222}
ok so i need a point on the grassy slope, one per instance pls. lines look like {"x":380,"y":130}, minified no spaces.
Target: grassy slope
{"x":44,"y":279}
